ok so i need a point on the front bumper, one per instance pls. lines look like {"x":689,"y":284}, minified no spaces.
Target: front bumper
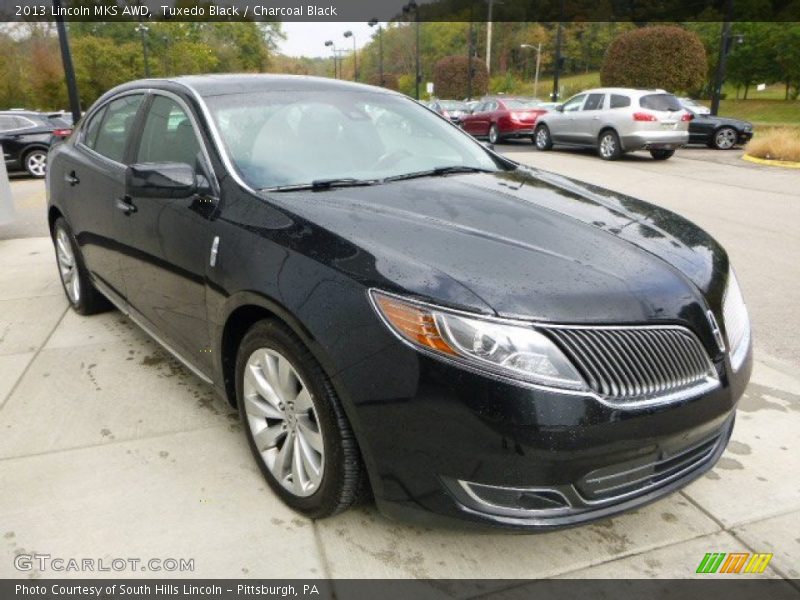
{"x":744,"y":137}
{"x":458,"y":427}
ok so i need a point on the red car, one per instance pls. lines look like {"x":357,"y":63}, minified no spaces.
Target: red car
{"x":503,"y":118}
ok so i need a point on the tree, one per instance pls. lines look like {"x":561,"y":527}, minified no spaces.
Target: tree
{"x":450,"y":77}
{"x":666,"y":57}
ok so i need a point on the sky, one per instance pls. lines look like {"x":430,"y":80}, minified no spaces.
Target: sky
{"x":308,"y":39}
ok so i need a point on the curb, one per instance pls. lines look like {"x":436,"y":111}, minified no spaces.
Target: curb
{"x":786,"y":164}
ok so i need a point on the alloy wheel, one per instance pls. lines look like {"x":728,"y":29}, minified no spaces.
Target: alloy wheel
{"x":725,"y":138}
{"x":493,"y":135}
{"x":608,"y":145}
{"x":68,"y":266}
{"x":541,"y":138}
{"x":36,"y":163}
{"x":283,"y":420}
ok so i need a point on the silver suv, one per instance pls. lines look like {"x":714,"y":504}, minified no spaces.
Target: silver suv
{"x":617,"y":120}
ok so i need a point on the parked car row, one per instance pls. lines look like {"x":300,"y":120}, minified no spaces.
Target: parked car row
{"x":611,"y":120}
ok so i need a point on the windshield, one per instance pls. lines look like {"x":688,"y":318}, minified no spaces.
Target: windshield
{"x":278,"y":139}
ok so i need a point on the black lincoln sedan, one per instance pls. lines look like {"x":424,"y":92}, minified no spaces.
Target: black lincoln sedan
{"x":26,"y":136}
{"x":395,"y":309}
{"x":722,"y":133}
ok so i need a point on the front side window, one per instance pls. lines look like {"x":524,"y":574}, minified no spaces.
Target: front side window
{"x":281,"y":139}
{"x":168,"y":135}
{"x":594,"y":102}
{"x":574,"y":103}
{"x":112,"y":135}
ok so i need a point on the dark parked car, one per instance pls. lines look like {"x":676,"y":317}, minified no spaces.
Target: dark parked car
{"x":26,"y":136}
{"x":454,"y":110}
{"x":499,"y":119}
{"x":393,"y":307}
{"x":721,"y":133}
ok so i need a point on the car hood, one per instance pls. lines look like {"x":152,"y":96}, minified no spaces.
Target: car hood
{"x":526,"y":244}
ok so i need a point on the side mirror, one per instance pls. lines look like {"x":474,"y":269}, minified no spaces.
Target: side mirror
{"x":488,"y":145}
{"x":161,"y":180}
{"x":560,"y":108}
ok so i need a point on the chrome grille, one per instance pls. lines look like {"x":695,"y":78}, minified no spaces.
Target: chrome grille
{"x":631,"y":364}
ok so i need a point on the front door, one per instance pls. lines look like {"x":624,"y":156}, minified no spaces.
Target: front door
{"x":167,"y":240}
{"x":562,"y":126}
{"x":586,"y":122}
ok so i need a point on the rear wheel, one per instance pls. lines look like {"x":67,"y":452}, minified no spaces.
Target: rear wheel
{"x":608,"y":146}
{"x":36,"y":163}
{"x":661,"y":154}
{"x":82,"y":295}
{"x":542,"y":139}
{"x":494,"y":134}
{"x":725,"y":138}
{"x":295,"y":424}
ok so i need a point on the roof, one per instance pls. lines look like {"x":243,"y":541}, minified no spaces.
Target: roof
{"x":223,"y":84}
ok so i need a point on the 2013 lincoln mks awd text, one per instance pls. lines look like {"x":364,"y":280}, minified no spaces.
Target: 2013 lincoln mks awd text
{"x":395,"y":309}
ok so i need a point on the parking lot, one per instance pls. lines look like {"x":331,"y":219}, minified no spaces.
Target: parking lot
{"x":110,"y":448}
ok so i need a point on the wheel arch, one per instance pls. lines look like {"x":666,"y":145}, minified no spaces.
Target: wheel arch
{"x":53,"y":213}
{"x":605,"y":129}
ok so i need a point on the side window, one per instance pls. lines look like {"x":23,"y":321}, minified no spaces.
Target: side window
{"x":594,"y":102}
{"x":574,"y":103}
{"x":90,"y":132}
{"x":6,"y":123}
{"x":168,"y":135}
{"x":619,"y":101}
{"x":116,"y":127}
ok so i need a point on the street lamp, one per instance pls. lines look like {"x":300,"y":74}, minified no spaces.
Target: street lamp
{"x":538,"y":49}
{"x":332,"y":46}
{"x":408,"y":9}
{"x":143,"y":29}
{"x":373,"y":23}
{"x":348,"y":34}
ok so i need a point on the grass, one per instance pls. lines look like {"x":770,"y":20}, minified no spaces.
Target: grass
{"x":776,"y":144}
{"x":763,"y":112}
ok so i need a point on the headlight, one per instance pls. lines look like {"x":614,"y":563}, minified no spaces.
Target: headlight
{"x":515,"y":351}
{"x":737,"y":322}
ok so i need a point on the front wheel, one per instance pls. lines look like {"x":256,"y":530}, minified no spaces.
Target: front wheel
{"x":36,"y":163}
{"x":82,"y":295}
{"x":608,"y":146}
{"x":295,"y":424}
{"x":542,"y":139}
{"x":494,"y":134}
{"x":725,"y":138}
{"x":661,"y":154}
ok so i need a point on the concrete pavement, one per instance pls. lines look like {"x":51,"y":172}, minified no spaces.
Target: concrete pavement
{"x":110,"y":448}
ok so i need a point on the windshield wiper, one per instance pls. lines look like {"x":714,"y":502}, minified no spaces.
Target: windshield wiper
{"x":439,"y":171}
{"x":322,"y":184}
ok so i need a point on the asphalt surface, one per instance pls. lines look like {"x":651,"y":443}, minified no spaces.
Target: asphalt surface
{"x":110,"y":448}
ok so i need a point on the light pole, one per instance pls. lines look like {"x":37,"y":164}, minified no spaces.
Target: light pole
{"x":538,"y":49}
{"x":408,"y":9}
{"x":373,"y":23}
{"x":348,"y":34}
{"x":143,"y":29}
{"x":332,"y":46}
{"x":69,"y":69}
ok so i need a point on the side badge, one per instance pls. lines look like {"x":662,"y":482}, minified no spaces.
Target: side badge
{"x":214,"y":251}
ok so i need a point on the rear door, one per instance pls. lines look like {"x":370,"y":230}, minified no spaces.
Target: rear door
{"x":93,"y":175}
{"x":167,"y":241}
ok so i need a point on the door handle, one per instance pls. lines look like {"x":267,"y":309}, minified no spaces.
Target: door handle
{"x":72,"y":179}
{"x":126,"y":205}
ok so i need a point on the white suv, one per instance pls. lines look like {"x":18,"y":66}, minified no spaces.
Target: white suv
{"x":617,"y":120}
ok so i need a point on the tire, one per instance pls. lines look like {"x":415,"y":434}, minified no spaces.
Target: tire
{"x":725,"y":138}
{"x":494,"y":134}
{"x":35,"y":163}
{"x":274,"y":415}
{"x":542,"y":139}
{"x":83,"y":297}
{"x":661,"y":154}
{"x":608,"y":145}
